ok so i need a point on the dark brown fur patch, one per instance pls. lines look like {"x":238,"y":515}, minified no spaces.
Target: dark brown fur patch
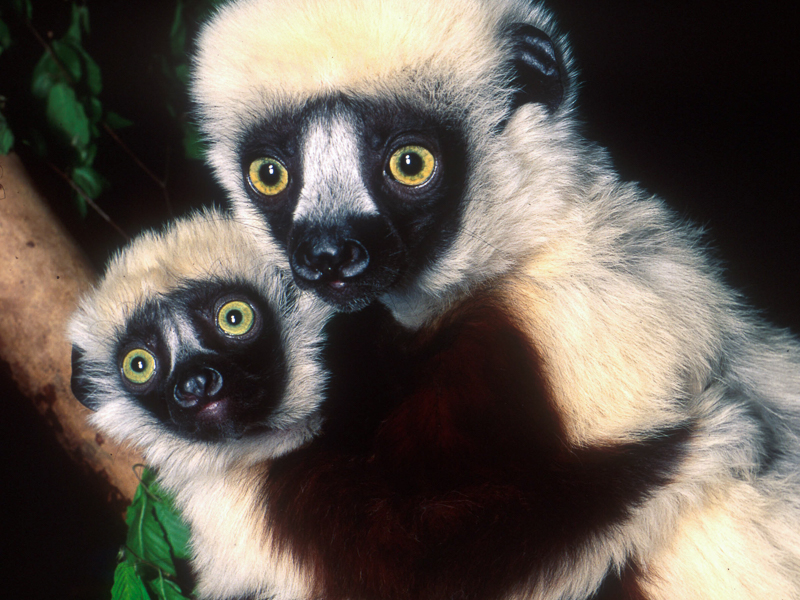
{"x":442,"y":472}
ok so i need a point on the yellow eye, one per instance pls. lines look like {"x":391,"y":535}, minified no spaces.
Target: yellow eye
{"x":412,"y":165}
{"x":236,"y":318}
{"x":268,"y":176}
{"x":139,"y":366}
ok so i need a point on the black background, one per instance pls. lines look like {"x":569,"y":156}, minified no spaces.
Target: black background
{"x":696,"y":100}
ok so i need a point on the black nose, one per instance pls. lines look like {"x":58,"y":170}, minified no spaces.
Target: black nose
{"x":197,"y":386}
{"x":327,"y":258}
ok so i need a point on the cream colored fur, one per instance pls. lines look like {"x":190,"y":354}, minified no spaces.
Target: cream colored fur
{"x":636,"y":329}
{"x":213,"y":482}
{"x":710,"y":555}
{"x":233,"y":552}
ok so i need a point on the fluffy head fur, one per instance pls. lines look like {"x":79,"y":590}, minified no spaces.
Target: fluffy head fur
{"x":257,"y":58}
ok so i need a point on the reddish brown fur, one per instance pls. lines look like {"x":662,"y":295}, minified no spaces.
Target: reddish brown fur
{"x":447,"y":475}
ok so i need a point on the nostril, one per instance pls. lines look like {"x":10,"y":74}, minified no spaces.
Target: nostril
{"x":317,"y":260}
{"x":330,"y":261}
{"x":197,"y":386}
{"x":355,"y":259}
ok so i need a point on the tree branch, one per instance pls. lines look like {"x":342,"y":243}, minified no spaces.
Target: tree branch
{"x":43,"y":276}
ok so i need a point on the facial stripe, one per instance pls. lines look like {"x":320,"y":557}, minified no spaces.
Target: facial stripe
{"x":180,"y":336}
{"x":331,"y":172}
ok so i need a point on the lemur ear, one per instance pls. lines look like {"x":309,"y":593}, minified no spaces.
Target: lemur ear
{"x":535,"y":67}
{"x":78,"y":380}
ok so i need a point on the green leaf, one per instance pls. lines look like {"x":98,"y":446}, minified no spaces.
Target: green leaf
{"x":89,"y":180}
{"x":166,"y":589}
{"x":69,"y":58}
{"x":45,"y":75}
{"x":156,"y":532}
{"x":79,"y":22}
{"x":95,"y":109}
{"x":5,"y":36}
{"x":157,"y":536}
{"x":127,"y":584}
{"x":80,"y":204}
{"x":6,"y":136}
{"x":93,"y":77}
{"x":88,"y":156}
{"x":83,"y":15}
{"x":174,"y":527}
{"x":116,"y":121}
{"x":67,"y":116}
{"x":150,"y":540}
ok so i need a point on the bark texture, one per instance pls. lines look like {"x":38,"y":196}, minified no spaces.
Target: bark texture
{"x":42,"y":277}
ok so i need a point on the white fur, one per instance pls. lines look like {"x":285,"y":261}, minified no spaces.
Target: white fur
{"x":329,"y":144}
{"x":211,"y":480}
{"x":636,"y":329}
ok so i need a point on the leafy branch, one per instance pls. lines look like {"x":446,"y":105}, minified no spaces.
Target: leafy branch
{"x":156,"y":548}
{"x":68,"y":81}
{"x":66,"y":84}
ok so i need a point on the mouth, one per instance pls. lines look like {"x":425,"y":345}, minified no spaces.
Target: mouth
{"x":345,"y":296}
{"x":214,"y":412}
{"x":350,"y":294}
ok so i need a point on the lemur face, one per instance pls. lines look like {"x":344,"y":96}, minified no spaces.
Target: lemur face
{"x":359,"y":196}
{"x":206,"y":359}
